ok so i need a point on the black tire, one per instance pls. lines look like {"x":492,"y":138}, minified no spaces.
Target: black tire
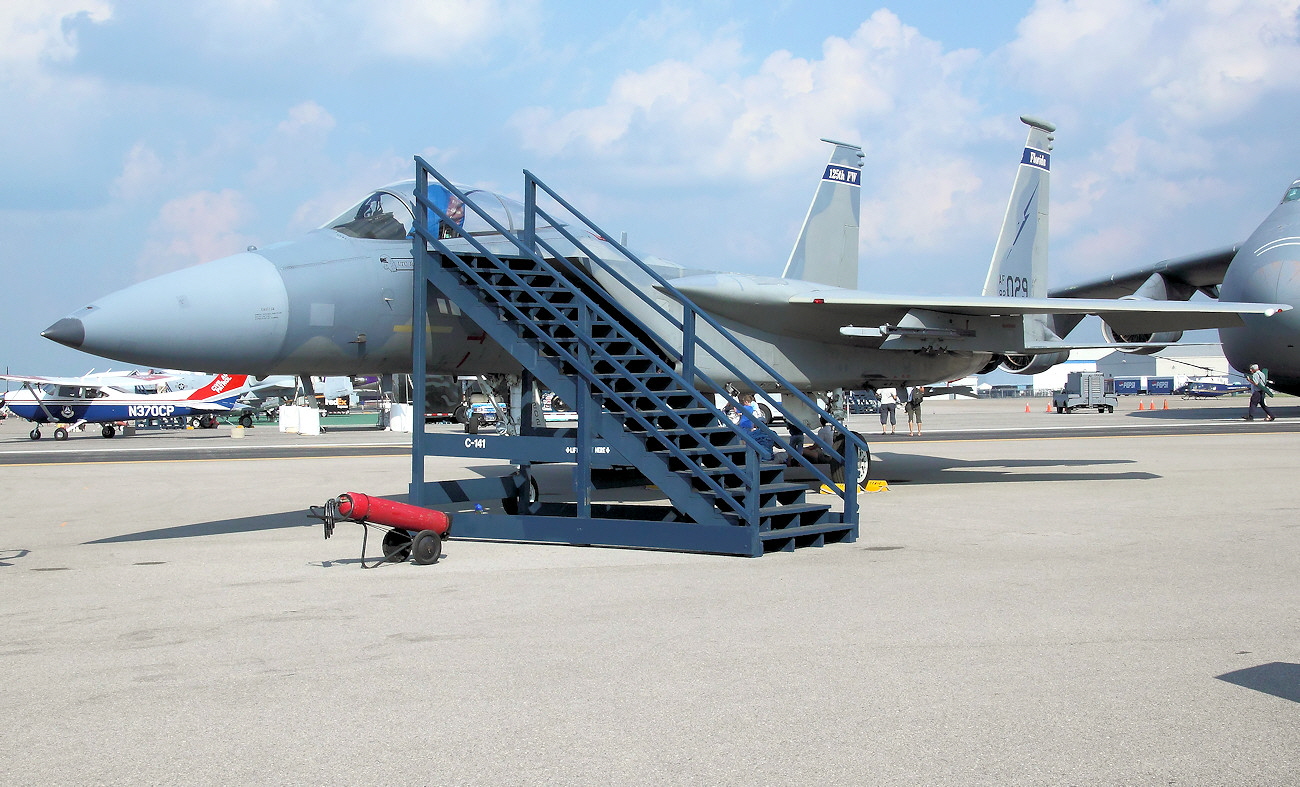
{"x":557,"y":405}
{"x":461,"y":414}
{"x":764,"y":412}
{"x":397,"y":546}
{"x":1059,"y":409}
{"x":471,"y":424}
{"x":864,"y":462}
{"x":108,"y":430}
{"x":426,"y":548}
{"x":60,"y":434}
{"x":35,"y":434}
{"x":245,"y":420}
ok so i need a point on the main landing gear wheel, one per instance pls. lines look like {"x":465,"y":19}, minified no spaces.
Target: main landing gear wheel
{"x":864,"y":462}
{"x":35,"y":434}
{"x":60,"y":434}
{"x":426,"y":548}
{"x":245,"y":420}
{"x":108,"y":430}
{"x":397,"y":546}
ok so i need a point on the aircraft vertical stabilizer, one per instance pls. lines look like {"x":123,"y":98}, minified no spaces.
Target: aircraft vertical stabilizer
{"x":827,"y":249}
{"x":1019,"y":267}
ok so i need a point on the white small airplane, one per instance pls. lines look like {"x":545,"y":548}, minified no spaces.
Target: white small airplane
{"x":73,"y":401}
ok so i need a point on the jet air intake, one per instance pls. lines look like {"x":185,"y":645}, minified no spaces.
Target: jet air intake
{"x":1033,"y":364}
{"x":1161,"y":339}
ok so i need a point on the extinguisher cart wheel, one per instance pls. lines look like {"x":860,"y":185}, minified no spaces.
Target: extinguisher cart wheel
{"x":426,"y":548}
{"x":397,"y":546}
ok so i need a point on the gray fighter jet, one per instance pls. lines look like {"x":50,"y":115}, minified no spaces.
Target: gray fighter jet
{"x":1266,"y":267}
{"x":339,"y":302}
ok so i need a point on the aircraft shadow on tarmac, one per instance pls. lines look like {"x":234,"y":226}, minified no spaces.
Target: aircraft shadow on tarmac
{"x":247,"y":524}
{"x":252,"y":524}
{"x":12,"y":554}
{"x":1279,"y":678}
{"x":1204,"y":414}
{"x":918,"y":469}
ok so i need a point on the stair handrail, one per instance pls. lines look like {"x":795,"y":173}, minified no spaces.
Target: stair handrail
{"x":852,"y":443}
{"x":752,"y":482}
{"x":531,"y":181}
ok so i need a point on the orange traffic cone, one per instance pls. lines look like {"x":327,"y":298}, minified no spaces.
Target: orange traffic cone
{"x":1140,"y":407}
{"x":1166,"y":407}
{"x":1026,"y":408}
{"x":1049,"y":406}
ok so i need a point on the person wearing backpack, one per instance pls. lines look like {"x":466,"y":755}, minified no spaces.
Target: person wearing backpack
{"x":913,"y":408}
{"x":1258,"y":379}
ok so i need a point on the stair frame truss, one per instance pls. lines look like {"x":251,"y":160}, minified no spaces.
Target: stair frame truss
{"x":640,"y":397}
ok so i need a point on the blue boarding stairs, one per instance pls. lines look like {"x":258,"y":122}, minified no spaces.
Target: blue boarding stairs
{"x":640,"y":395}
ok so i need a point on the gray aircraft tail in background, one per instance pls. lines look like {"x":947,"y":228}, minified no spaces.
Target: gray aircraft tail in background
{"x":826,"y":251}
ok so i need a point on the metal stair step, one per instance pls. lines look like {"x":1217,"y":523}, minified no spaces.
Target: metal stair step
{"x":803,"y":530}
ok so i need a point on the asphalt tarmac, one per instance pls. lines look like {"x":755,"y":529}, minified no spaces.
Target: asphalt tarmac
{"x":1038,"y":599}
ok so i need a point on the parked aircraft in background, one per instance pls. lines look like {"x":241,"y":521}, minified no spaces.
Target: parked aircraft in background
{"x":1210,"y":386}
{"x":338,"y":301}
{"x":75,"y":401}
{"x":1266,"y":267}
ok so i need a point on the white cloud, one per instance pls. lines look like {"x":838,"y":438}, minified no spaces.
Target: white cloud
{"x":34,"y":33}
{"x":1198,"y":61}
{"x":307,"y":118}
{"x":194,"y":228}
{"x":708,"y":117}
{"x":351,"y":34}
{"x":911,"y":208}
{"x":439,"y":29}
{"x":142,"y":171}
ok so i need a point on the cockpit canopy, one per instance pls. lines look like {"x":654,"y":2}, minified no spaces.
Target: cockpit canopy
{"x":1293,"y":193}
{"x":388,"y":213}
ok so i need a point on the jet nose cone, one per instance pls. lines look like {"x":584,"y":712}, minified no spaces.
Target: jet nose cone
{"x":69,"y":331}
{"x":228,"y":315}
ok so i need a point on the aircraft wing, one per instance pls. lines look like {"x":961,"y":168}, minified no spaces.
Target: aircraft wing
{"x":1124,"y":316}
{"x":22,"y":378}
{"x":981,"y":323}
{"x":1202,"y":272}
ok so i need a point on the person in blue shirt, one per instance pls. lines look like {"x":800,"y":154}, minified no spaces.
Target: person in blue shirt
{"x":749,"y":418}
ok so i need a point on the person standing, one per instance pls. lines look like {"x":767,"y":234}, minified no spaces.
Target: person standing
{"x":913,"y":408}
{"x":1258,"y":380}
{"x":888,"y":404}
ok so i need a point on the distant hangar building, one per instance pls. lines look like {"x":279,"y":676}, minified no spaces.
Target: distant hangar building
{"x":1178,"y":361}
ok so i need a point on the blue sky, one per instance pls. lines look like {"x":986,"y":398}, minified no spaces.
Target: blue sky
{"x":141,"y":137}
